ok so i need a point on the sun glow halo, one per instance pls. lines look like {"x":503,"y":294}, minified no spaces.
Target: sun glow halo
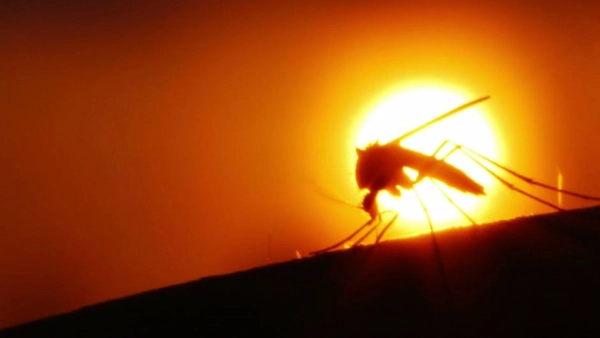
{"x":407,"y":109}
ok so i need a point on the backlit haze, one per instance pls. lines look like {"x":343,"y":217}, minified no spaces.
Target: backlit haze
{"x":144,"y":144}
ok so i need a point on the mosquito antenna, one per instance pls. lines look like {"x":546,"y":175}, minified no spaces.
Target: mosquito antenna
{"x":439,"y":118}
{"x":331,"y":197}
{"x":337,"y":200}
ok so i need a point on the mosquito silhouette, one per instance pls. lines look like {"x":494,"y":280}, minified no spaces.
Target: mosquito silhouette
{"x":379,"y":167}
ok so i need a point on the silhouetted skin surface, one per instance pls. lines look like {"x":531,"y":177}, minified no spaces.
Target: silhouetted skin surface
{"x":529,"y":276}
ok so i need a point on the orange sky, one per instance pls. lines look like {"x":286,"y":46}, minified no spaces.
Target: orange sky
{"x":148,"y":145}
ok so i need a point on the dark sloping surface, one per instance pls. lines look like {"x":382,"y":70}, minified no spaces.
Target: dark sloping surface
{"x":530,"y":276}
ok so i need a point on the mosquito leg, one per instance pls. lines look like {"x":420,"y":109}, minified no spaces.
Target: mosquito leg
{"x":387,"y":226}
{"x":440,"y":148}
{"x":438,"y":256}
{"x":471,"y":153}
{"x":464,"y":213}
{"x":344,"y":240}
{"x":380,"y":220}
{"x":362,"y":238}
{"x":505,"y":182}
{"x":527,"y":179}
{"x":468,"y":151}
{"x":428,"y":168}
{"x":512,"y":186}
{"x":425,"y":210}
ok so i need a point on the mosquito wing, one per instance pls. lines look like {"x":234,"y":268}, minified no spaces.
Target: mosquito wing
{"x":439,"y":118}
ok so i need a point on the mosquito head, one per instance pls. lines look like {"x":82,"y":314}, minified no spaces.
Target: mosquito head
{"x":372,"y":166}
{"x":369,"y":204}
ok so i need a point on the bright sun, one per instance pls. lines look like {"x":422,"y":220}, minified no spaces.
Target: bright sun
{"x":405,"y":110}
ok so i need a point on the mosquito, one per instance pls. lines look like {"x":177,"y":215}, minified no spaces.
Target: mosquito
{"x":380,"y":167}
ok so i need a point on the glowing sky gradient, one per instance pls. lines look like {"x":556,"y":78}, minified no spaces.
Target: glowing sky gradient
{"x":146,"y":144}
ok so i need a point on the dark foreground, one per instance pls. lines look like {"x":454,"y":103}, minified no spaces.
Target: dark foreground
{"x":532,"y":276}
